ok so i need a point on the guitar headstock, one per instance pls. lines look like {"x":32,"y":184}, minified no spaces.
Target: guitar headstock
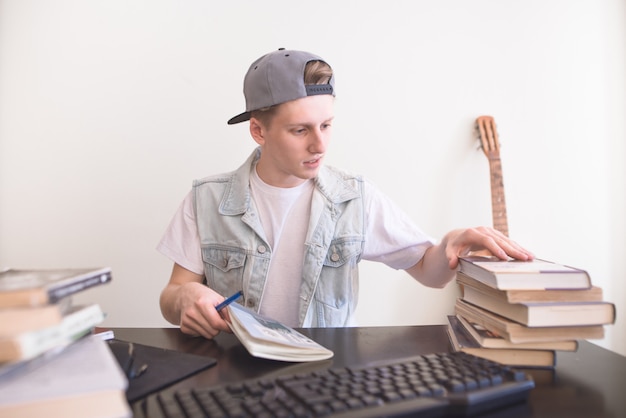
{"x":491,"y":147}
{"x":488,"y":135}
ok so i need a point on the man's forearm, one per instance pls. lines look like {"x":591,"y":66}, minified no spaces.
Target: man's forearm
{"x":168,"y":304}
{"x":433,"y":269}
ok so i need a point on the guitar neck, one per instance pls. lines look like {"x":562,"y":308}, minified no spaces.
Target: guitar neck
{"x":498,"y":203}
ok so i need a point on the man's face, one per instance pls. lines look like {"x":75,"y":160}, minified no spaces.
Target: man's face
{"x":295,"y":142}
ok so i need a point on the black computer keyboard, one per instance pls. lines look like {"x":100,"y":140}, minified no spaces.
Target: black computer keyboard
{"x":431,"y":385}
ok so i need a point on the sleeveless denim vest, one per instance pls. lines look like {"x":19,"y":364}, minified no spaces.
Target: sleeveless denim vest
{"x":236,"y":255}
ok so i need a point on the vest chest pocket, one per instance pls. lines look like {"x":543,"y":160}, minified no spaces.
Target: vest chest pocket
{"x":223,"y":267}
{"x":342,"y":251}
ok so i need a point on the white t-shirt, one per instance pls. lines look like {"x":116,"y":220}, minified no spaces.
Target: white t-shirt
{"x":391,"y":237}
{"x":284,"y":214}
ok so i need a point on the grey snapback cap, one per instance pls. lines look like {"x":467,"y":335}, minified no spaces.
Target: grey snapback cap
{"x":276,"y":78}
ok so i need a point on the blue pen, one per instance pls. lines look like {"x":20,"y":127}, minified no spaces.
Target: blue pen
{"x":229,"y":300}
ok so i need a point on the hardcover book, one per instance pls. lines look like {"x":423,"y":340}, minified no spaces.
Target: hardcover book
{"x":519,"y":333}
{"x":515,"y":274}
{"x":489,"y":339}
{"x":76,"y":323}
{"x":17,"y":320}
{"x":23,"y":288}
{"x":548,"y":314}
{"x":268,"y":338}
{"x":592,"y":294}
{"x":461,"y":340}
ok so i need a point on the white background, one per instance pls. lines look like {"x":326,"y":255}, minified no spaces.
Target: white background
{"x":109,"y":109}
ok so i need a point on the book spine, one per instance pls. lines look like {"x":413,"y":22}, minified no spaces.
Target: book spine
{"x":74,"y":326}
{"x":57,"y":293}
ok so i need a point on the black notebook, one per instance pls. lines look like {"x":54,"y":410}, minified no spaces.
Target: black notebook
{"x":150,"y":369}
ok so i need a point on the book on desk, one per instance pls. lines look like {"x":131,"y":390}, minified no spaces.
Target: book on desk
{"x":267,"y":338}
{"x":76,"y":323}
{"x":515,"y":274}
{"x":22,"y":288}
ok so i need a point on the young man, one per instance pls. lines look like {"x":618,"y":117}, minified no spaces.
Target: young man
{"x":286,"y":229}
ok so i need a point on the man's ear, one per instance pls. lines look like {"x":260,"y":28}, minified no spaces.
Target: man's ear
{"x":257,"y":131}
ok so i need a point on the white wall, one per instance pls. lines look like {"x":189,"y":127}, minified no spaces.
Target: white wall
{"x":108,"y":110}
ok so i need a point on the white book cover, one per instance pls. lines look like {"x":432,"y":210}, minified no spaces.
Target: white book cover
{"x":268,"y":338}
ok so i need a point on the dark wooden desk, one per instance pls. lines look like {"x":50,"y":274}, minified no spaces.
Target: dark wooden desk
{"x":588,"y":383}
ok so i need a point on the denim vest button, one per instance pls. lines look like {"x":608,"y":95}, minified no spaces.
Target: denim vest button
{"x":334,"y":257}
{"x":262,"y":249}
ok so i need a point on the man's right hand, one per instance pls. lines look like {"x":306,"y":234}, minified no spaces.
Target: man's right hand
{"x":187,"y":302}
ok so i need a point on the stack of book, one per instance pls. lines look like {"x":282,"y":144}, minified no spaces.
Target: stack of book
{"x":40,"y":326}
{"x":521,"y":313}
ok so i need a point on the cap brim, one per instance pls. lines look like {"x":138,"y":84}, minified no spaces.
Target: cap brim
{"x":242,"y":117}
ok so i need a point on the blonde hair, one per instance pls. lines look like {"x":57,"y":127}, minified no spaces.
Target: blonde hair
{"x":315,"y":72}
